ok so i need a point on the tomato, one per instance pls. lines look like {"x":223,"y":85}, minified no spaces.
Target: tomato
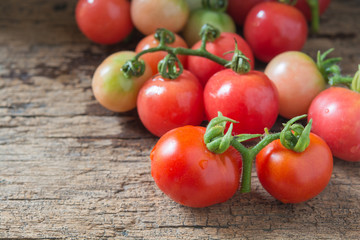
{"x":303,"y":6}
{"x":165,"y":104}
{"x":194,"y":4}
{"x":238,"y":10}
{"x":186,"y":171}
{"x":111,"y":88}
{"x":200,"y":17}
{"x":104,"y":21}
{"x":251,"y":99}
{"x":204,"y":68}
{"x":336,"y":118}
{"x":155,"y":57}
{"x":149,"y":15}
{"x":272,"y":28}
{"x":298,"y":81}
{"x":293,"y":177}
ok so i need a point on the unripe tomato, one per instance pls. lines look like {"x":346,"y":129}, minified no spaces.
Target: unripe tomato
{"x":200,"y":17}
{"x":110,"y":86}
{"x":298,"y":80}
{"x":149,"y":15}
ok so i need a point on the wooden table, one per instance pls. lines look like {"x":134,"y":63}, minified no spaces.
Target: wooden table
{"x":71,"y":169}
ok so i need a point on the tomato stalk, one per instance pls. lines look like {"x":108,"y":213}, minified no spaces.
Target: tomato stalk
{"x":315,"y":18}
{"x":293,"y":136}
{"x":355,"y":85}
{"x":135,"y":67}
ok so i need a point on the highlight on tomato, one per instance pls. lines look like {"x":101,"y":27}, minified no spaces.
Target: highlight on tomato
{"x":113,"y":88}
{"x":153,"y":58}
{"x":210,"y":13}
{"x":271,"y":28}
{"x":298,"y":81}
{"x":164,"y":103}
{"x":222,"y":46}
{"x":187,"y":172}
{"x":149,"y":15}
{"x":104,"y":21}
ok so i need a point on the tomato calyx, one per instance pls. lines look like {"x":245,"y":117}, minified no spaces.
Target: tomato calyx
{"x":133,"y":67}
{"x":168,"y":68}
{"x":215,"y":5}
{"x":330,"y":69}
{"x":294,"y":136}
{"x":239,"y":62}
{"x":208,"y":33}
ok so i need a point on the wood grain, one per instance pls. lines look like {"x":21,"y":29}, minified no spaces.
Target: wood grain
{"x":69,"y":169}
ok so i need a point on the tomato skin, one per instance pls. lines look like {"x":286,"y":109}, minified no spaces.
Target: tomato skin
{"x":111,"y":88}
{"x":165,"y":104}
{"x":149,"y":15}
{"x":204,"y":68}
{"x":251,"y":99}
{"x":155,"y":57}
{"x":199,"y":17}
{"x":104,"y":21}
{"x":336,"y":118}
{"x":185,"y":170}
{"x":293,"y":177}
{"x":268,"y":26}
{"x":238,"y":10}
{"x":298,"y":81}
{"x":303,"y":6}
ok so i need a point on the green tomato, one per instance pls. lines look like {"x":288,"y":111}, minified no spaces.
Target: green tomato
{"x":110,"y":86}
{"x":199,"y":17}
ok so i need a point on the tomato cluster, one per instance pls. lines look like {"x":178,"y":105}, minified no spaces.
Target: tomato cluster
{"x":178,"y":79}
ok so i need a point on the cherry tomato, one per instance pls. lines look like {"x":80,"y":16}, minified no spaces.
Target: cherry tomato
{"x":149,"y":15}
{"x":238,"y":10}
{"x":204,"y":68}
{"x":336,"y":118}
{"x":298,"y":81}
{"x":200,"y":17}
{"x":155,"y":57}
{"x":272,"y":28}
{"x":303,"y":6}
{"x":186,"y":171}
{"x":111,"y":88}
{"x":165,"y":104}
{"x":293,"y":177}
{"x":104,"y":21}
{"x":251,"y":99}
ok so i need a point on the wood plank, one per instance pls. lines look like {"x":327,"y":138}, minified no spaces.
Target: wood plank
{"x":71,"y":169}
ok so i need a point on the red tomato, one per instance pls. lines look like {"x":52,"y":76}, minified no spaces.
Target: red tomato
{"x":110,"y":86}
{"x":155,"y":57}
{"x":298,"y":80}
{"x":303,"y":6}
{"x":185,"y":170}
{"x":199,"y":17}
{"x":239,"y":9}
{"x":272,"y":28}
{"x":204,"y":68}
{"x":104,"y":21}
{"x":149,"y":15}
{"x":164,"y":104}
{"x":336,"y":118}
{"x":293,"y":177}
{"x":251,"y":99}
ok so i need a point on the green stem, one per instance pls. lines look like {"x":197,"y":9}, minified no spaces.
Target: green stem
{"x":315,"y":19}
{"x":248,"y":156}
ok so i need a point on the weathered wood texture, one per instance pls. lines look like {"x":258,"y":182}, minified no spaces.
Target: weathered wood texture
{"x":71,"y":169}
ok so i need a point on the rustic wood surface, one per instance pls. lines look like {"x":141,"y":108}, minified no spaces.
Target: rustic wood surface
{"x":71,"y":169}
